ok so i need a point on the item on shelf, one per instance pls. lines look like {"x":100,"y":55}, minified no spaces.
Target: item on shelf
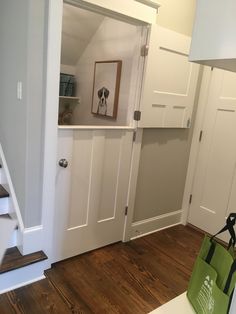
{"x":67,"y":85}
{"x":65,"y":116}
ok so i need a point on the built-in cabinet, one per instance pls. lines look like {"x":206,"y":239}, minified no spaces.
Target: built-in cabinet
{"x":213,"y":39}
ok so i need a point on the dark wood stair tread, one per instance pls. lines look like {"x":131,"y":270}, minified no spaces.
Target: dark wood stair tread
{"x":14,"y":260}
{"x":3,"y":192}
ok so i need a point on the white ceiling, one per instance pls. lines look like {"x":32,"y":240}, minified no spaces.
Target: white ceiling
{"x":78,"y":28}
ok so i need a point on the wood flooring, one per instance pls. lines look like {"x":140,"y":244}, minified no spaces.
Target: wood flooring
{"x":135,"y":277}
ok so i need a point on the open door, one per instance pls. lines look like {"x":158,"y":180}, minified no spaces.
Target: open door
{"x":170,"y":81}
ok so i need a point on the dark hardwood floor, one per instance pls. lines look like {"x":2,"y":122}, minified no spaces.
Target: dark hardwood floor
{"x":136,"y":277}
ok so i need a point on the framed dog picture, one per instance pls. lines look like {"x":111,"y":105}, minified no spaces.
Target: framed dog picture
{"x":106,"y":88}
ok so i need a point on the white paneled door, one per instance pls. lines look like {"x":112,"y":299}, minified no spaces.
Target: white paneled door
{"x":170,"y":81}
{"x":91,"y":193}
{"x":214,"y":189}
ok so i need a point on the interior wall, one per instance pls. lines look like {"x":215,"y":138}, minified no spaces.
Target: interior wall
{"x":114,"y":40}
{"x":177,"y":15}
{"x":22,"y":46}
{"x":165,"y":152}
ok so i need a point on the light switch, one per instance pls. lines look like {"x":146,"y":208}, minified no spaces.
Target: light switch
{"x":19,"y":90}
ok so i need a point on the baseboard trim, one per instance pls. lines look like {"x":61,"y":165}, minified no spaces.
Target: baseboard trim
{"x":148,"y":226}
{"x":22,"y":277}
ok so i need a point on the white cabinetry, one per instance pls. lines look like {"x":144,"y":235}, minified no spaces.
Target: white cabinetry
{"x":214,"y":37}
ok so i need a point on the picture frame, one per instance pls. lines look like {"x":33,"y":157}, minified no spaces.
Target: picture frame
{"x":106,"y":88}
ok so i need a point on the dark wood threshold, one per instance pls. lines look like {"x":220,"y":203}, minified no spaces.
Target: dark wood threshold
{"x":14,"y":260}
{"x":3,"y":192}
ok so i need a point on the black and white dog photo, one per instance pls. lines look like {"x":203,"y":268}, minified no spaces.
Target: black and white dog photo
{"x":103,"y":95}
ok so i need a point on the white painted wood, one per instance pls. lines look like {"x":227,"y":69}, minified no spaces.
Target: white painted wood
{"x":151,"y":225}
{"x":7,"y":227}
{"x":31,"y":240}
{"x":13,"y":206}
{"x":94,"y":127}
{"x":177,"y":305}
{"x":214,"y":183}
{"x":214,"y":40}
{"x":133,"y":179}
{"x":170,"y":81}
{"x":91,"y":193}
{"x":151,"y":3}
{"x":54,"y":26}
{"x":22,"y":276}
{"x":201,"y":108}
{"x":4,"y":205}
{"x":22,"y":284}
{"x":129,"y":10}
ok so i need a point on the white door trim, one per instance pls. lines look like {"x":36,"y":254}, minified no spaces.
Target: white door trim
{"x":50,"y":129}
{"x":205,"y":84}
{"x":134,"y":169}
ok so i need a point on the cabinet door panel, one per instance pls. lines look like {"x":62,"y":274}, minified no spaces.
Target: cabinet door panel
{"x":170,"y":81}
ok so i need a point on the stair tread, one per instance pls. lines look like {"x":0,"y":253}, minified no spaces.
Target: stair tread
{"x":3,"y":192}
{"x":14,"y":260}
{"x":7,"y":216}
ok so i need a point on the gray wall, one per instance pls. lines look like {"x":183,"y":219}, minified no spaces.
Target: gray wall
{"x":165,"y":152}
{"x":22,"y":46}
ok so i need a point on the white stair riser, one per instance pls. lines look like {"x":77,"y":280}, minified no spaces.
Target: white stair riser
{"x":22,"y":276}
{"x":13,"y":241}
{"x":3,"y":179}
{"x":4,"y":205}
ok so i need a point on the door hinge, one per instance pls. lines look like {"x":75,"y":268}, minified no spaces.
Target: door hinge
{"x":190,"y":198}
{"x":137,"y":115}
{"x":144,"y":50}
{"x":189,"y":123}
{"x":200,"y":136}
{"x":126,"y":210}
{"x":134,"y":136}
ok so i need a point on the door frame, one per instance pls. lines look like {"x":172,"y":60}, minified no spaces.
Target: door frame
{"x":132,"y":12}
{"x":195,"y":145}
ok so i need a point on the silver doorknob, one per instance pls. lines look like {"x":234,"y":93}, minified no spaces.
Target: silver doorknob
{"x":63,"y":163}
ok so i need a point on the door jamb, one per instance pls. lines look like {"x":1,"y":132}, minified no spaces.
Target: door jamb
{"x":195,"y":146}
{"x":50,"y":127}
{"x":133,"y":179}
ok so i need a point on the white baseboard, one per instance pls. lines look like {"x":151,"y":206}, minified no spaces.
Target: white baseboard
{"x":31,"y":240}
{"x":21,"y":277}
{"x":147,"y":226}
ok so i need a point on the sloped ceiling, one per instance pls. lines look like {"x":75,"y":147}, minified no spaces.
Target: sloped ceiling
{"x":78,"y":28}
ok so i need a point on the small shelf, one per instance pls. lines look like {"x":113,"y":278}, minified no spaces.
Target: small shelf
{"x":69,"y":98}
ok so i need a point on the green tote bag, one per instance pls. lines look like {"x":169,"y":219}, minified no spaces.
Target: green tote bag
{"x":213,"y":280}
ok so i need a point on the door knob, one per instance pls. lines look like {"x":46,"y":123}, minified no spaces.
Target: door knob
{"x":63,"y":163}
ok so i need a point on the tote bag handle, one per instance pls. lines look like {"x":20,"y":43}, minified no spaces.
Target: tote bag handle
{"x":230,"y":223}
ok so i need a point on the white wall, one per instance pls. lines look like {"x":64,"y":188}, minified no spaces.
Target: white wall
{"x":114,"y":40}
{"x":177,"y":15}
{"x":165,"y":152}
{"x":22,"y":59}
{"x":68,"y":69}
